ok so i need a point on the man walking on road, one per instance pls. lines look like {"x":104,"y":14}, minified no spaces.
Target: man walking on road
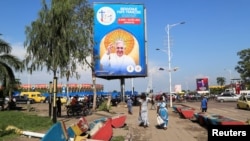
{"x":204,"y":104}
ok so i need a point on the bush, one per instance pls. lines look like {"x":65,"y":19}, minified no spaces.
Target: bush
{"x":104,"y":106}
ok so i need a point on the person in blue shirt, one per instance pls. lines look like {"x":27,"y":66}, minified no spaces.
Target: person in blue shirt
{"x":162,"y":111}
{"x":204,"y":104}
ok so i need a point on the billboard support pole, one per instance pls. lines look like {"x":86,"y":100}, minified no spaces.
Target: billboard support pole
{"x":123,"y":89}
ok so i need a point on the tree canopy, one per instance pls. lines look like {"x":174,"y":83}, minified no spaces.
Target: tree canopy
{"x":8,"y":64}
{"x":61,"y":38}
{"x":220,"y":80}
{"x":243,"y":67}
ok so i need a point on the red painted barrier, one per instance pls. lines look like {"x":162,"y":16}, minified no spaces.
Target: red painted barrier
{"x":118,"y":121}
{"x":105,"y":133}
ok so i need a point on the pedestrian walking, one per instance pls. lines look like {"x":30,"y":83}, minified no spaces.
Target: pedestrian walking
{"x":143,"y":111}
{"x":162,"y":111}
{"x":59,"y":106}
{"x":204,"y":104}
{"x":129,"y":105}
{"x":152,"y":102}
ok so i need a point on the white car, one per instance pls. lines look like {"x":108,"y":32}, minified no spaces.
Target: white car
{"x":229,"y":97}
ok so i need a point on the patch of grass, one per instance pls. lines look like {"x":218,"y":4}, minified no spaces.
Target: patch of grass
{"x":118,"y":138}
{"x":126,"y":127}
{"x":23,"y":121}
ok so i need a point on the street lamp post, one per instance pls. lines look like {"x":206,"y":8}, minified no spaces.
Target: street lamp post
{"x":230,"y":74}
{"x":167,"y":29}
{"x":170,"y":85}
{"x":230,"y":77}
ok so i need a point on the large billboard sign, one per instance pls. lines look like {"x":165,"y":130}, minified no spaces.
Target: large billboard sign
{"x":202,"y":84}
{"x":177,"y":89}
{"x":119,"y":35}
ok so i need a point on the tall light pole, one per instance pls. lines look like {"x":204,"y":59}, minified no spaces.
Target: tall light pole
{"x":230,"y":77}
{"x":170,"y":70}
{"x":230,"y":74}
{"x":167,"y":29}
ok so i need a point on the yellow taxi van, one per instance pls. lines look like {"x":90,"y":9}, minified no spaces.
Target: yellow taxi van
{"x":37,"y":96}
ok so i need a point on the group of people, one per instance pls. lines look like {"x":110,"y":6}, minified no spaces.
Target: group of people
{"x":11,"y":104}
{"x":72,"y":101}
{"x":143,"y":111}
{"x":161,"y":110}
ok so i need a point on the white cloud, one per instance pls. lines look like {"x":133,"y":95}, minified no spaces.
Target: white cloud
{"x":18,"y":50}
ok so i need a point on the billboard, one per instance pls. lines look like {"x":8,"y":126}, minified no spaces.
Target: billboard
{"x":202,"y":84}
{"x":177,"y":89}
{"x":119,"y":35}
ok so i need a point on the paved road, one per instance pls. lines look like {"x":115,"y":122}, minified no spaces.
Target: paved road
{"x":226,"y":109}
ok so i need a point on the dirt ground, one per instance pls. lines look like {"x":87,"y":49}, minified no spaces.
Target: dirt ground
{"x":179,"y":129}
{"x":42,"y":109}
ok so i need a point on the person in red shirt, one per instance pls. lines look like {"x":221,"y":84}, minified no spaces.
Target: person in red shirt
{"x":74,"y":101}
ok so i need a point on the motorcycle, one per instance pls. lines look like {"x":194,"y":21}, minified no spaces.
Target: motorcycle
{"x":86,"y":110}
{"x":79,"y":109}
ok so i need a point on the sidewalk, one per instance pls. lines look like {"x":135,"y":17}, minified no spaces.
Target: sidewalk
{"x":179,"y":129}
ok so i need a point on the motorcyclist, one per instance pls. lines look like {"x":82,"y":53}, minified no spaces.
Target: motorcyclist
{"x":12,"y":104}
{"x":75,"y":103}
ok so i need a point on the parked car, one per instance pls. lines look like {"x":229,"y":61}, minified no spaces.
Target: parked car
{"x":227,"y":97}
{"x":196,"y":97}
{"x":243,"y":102}
{"x":247,"y":94}
{"x":23,"y":100}
{"x":63,"y":100}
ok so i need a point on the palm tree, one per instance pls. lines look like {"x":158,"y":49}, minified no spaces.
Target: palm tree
{"x":221,"y":81}
{"x":8,"y":62}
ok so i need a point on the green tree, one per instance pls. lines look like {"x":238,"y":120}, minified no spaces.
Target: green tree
{"x":8,"y":64}
{"x":243,"y":67}
{"x":221,"y":81}
{"x":61,"y":38}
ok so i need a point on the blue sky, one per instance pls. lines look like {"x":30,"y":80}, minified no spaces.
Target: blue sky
{"x":205,"y":46}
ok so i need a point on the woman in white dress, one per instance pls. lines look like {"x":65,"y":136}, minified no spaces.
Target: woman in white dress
{"x":143,"y":111}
